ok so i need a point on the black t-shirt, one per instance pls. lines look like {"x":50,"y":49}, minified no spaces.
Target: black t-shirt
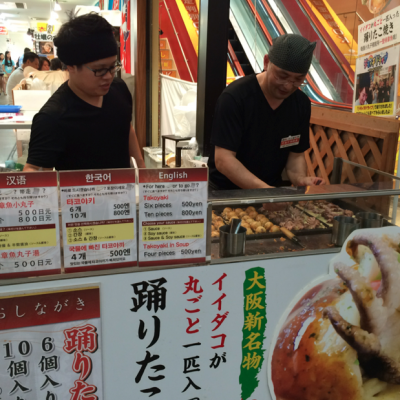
{"x":70,"y":134}
{"x":245,"y":123}
{"x":381,"y":94}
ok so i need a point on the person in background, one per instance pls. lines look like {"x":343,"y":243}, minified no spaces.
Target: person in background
{"x":375,"y":94}
{"x":387,"y":91}
{"x":392,"y":89}
{"x":86,"y":123}
{"x":21,"y":59}
{"x":55,"y":65}
{"x":44,"y":64}
{"x":8,"y":66}
{"x":362,"y":96}
{"x":2,"y":84}
{"x":30,"y":60}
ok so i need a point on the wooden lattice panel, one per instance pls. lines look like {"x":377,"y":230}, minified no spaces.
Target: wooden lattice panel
{"x":366,"y":140}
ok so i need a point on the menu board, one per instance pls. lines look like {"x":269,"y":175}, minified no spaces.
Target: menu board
{"x":98,"y":219}
{"x":29,"y":227}
{"x":51,"y":345}
{"x":172,"y":216}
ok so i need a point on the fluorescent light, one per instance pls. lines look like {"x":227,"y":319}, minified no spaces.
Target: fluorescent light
{"x":57,"y":7}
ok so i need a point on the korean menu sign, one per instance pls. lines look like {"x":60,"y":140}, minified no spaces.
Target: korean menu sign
{"x":172,"y":216}
{"x":98,"y":219}
{"x":380,"y":32}
{"x":29,"y":227}
{"x":376,"y":88}
{"x":51,"y":345}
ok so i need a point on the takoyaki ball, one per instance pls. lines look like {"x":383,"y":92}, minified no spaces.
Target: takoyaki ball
{"x":215,"y":234}
{"x":250,"y":209}
{"x":231,"y":214}
{"x":260,"y":229}
{"x":275,"y":228}
{"x":249,"y":231}
{"x":238,"y":211}
{"x":268,"y":225}
{"x":254,"y":225}
{"x":260,"y":217}
{"x":253,"y":214}
{"x":242,"y":214}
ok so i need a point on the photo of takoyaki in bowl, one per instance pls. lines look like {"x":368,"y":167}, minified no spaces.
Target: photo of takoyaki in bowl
{"x":341,"y":340}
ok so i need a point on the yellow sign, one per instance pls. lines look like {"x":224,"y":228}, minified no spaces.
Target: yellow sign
{"x":29,"y":238}
{"x":173,"y":232}
{"x":100,"y":233}
{"x":375,"y":109}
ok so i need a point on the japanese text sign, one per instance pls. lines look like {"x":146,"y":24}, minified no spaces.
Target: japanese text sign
{"x":98,"y":219}
{"x":376,"y":89}
{"x":191,"y":352}
{"x":29,"y":227}
{"x":379,"y":32}
{"x":51,"y":346}
{"x":172,"y":216}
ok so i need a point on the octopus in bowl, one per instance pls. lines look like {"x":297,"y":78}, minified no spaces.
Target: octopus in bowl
{"x":341,"y":341}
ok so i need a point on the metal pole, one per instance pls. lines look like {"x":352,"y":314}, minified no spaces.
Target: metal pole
{"x":211,"y":76}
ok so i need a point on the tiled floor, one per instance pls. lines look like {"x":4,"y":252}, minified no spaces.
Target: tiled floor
{"x":7,"y":139}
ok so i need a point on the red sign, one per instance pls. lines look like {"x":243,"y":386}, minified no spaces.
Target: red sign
{"x":115,"y":5}
{"x":125,"y":37}
{"x":3,"y":30}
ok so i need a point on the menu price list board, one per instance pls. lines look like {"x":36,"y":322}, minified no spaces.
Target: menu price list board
{"x":29,"y":225}
{"x":51,"y":345}
{"x":98,"y":219}
{"x":172,"y":216}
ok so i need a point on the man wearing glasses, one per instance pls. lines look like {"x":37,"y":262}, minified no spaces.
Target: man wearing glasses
{"x":86,"y":124}
{"x":261,"y":123}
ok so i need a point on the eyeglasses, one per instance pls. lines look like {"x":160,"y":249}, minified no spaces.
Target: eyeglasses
{"x":103,"y":71}
{"x":286,"y":82}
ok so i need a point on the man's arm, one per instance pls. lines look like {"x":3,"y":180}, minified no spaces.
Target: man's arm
{"x":296,"y":169}
{"x":227,"y":163}
{"x":35,"y":168}
{"x":134,"y":149}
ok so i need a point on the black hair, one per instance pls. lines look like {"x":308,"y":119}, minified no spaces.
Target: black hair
{"x":26,"y":50}
{"x":85,"y":25}
{"x":30,"y":56}
{"x":55,"y":64}
{"x":42,"y":60}
{"x":6,"y":60}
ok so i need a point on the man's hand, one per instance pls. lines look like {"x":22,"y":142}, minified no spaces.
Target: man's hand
{"x":310,"y":181}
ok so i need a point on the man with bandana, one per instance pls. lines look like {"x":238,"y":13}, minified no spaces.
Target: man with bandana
{"x":261,"y":123}
{"x":86,"y":124}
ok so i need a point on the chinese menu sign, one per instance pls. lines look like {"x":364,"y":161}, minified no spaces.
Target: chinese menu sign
{"x":379,"y":32}
{"x":29,"y":227}
{"x":172,"y":216}
{"x":376,"y":83}
{"x":98,"y":219}
{"x":51,"y":346}
{"x":200,"y":344}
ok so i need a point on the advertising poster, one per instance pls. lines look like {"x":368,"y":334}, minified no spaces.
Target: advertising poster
{"x":172,"y":216}
{"x":376,"y":86}
{"x":51,"y":345}
{"x":380,"y":32}
{"x":339,"y":337}
{"x":98,"y":219}
{"x":29,"y":227}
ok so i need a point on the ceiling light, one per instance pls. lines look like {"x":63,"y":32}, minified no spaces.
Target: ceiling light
{"x":53,"y":15}
{"x":57,"y":6}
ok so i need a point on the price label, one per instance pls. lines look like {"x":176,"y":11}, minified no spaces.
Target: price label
{"x":98,"y":219}
{"x":172,"y":216}
{"x":29,"y":227}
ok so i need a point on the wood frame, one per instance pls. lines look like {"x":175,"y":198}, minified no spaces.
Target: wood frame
{"x":366,"y":140}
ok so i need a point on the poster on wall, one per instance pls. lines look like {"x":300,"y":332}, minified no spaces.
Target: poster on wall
{"x":126,"y":38}
{"x":29,"y":224}
{"x":339,"y":337}
{"x":377,"y":83}
{"x":98,"y":219}
{"x":380,"y":32}
{"x":51,"y":345}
